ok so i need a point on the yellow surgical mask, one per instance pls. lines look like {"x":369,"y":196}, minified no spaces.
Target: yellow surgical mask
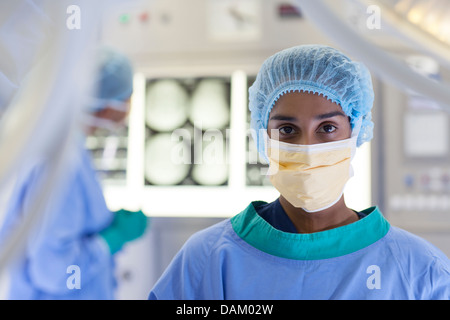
{"x":311,"y":177}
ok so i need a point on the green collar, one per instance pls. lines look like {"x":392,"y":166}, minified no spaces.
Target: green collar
{"x":332,"y":243}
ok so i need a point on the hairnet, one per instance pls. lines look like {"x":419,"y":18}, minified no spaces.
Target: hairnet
{"x":315,"y":69}
{"x":114,"y":78}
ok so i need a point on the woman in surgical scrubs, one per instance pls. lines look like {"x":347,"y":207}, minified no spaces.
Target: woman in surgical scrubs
{"x":70,"y":255}
{"x":311,"y":108}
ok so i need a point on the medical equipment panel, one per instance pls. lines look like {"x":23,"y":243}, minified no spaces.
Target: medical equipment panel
{"x":414,"y":148}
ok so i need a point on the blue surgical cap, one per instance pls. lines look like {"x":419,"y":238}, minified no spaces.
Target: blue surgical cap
{"x":114,"y":77}
{"x":314,"y":69}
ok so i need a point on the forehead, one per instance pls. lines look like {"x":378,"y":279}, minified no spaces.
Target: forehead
{"x":303,"y":104}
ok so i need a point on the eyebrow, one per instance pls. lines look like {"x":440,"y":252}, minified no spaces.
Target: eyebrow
{"x":318,"y":117}
{"x":330,"y":115}
{"x":283,"y":118}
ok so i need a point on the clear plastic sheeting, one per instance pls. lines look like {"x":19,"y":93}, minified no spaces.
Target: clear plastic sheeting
{"x":423,"y":25}
{"x":46,"y":50}
{"x":19,"y":42}
{"x":385,"y":65}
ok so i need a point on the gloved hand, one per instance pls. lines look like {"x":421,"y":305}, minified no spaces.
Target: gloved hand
{"x":126,"y":226}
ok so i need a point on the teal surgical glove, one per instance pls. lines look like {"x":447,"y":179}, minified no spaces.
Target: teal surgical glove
{"x":126,"y":226}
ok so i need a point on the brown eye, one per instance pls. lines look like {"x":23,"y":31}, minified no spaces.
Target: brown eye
{"x":287,"y":130}
{"x":328,"y":128}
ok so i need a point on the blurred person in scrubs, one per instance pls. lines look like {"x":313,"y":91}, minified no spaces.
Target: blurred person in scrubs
{"x":70,"y":255}
{"x":310,"y":110}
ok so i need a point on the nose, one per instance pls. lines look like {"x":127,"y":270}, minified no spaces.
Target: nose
{"x":307,"y":138}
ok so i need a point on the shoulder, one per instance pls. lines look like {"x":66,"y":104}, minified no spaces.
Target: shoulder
{"x":203,"y":243}
{"x":426,"y":267}
{"x":183,"y":277}
{"x":212,"y":242}
{"x":411,"y":244}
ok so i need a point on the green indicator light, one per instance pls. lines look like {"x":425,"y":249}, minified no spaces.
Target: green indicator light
{"x":124,"y":18}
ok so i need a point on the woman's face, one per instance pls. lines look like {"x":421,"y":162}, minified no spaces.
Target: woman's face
{"x":305,"y":118}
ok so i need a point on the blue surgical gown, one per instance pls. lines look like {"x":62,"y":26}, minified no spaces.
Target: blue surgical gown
{"x":66,"y":249}
{"x":245,"y":257}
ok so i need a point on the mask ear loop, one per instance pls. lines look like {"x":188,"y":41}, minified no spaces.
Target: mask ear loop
{"x":98,"y":104}
{"x":356,"y":128}
{"x":264,"y":136}
{"x":92,"y":121}
{"x":269,"y":143}
{"x":354,"y":137}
